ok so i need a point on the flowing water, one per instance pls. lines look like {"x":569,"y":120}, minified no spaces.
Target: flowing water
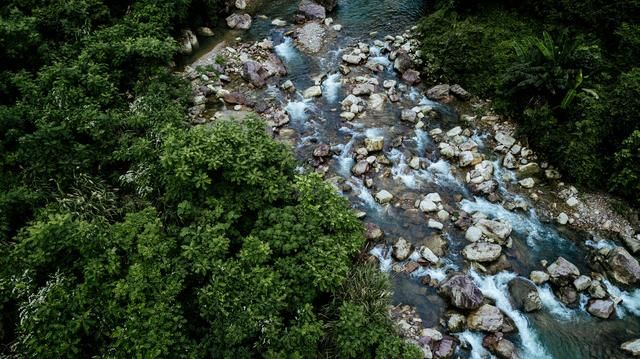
{"x":556,"y":331}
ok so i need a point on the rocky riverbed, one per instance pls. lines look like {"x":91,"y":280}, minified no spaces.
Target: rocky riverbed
{"x":491,"y":253}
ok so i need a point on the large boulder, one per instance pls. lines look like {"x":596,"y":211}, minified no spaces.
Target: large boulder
{"x":411,"y":77}
{"x":601,"y":308}
{"x":402,"y":62}
{"x":311,"y":11}
{"x":402,"y":249}
{"x":498,"y":345}
{"x":623,"y":267}
{"x":310,"y":37}
{"x":439,"y":92}
{"x":482,"y":251}
{"x":461,"y":291}
{"x":373,"y":232}
{"x":255,"y":73}
{"x":562,"y":272}
{"x":486,"y":318}
{"x":496,"y":230}
{"x":524,"y":294}
{"x":239,"y":21}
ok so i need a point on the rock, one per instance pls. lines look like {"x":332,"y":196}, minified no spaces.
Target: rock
{"x":473,"y":234}
{"x":582,"y":283}
{"x":563,"y":272}
{"x":313,"y":91}
{"x":432,"y":223}
{"x":337,"y":27}
{"x":436,"y":244}
{"x":376,"y":102}
{"x":311,"y":11}
{"x":562,"y":219}
{"x":527,"y":182}
{"x":596,"y":290}
{"x":427,"y":254}
{"x":439,"y":92}
{"x":601,"y":308}
{"x":623,"y":267}
{"x":539,"y":277}
{"x":567,"y":295}
{"x":363,"y":89}
{"x":279,"y":23}
{"x":255,"y":73}
{"x":632,"y":347}
{"x":468,"y":158}
{"x":572,"y":202}
{"x":374,"y":144}
{"x":456,"y":323}
{"x":387,"y":84}
{"x":352,"y":59}
{"x":509,"y":161}
{"x":402,"y":63}
{"x":459,"y":92}
{"x":384,"y":196}
{"x":426,"y":205}
{"x":311,"y":37}
{"x":373,"y":232}
{"x":486,"y":318}
{"x":415,"y":163}
{"x":235,"y":98}
{"x":241,"y":4}
{"x":288,"y":86}
{"x":461,"y":291}
{"x":360,"y":168}
{"x":482,"y":251}
{"x":496,"y":230}
{"x":411,"y":77}
{"x":500,"y":346}
{"x":524,"y":294}
{"x":445,"y":348}
{"x":274,"y":66}
{"x":238,"y":21}
{"x":185,"y":45}
{"x":528,"y":170}
{"x":401,"y":249}
{"x":323,"y":150}
{"x":552,"y":174}
{"x":204,"y":31}
{"x":408,"y":115}
{"x":454,"y":132}
{"x":504,"y":139}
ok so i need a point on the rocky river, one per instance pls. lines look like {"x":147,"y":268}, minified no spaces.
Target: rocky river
{"x":491,"y":254}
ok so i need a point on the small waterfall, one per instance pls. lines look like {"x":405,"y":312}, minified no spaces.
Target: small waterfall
{"x":331,"y":86}
{"x":384,"y":257}
{"x":377,"y":57}
{"x":528,"y":225}
{"x":422,"y":140}
{"x":495,"y":287}
{"x":553,"y":305}
{"x":440,"y":173}
{"x":437,"y":273}
{"x":345,"y":160}
{"x":364,"y":194}
{"x":298,"y":110}
{"x":401,"y":170}
{"x":286,"y":49}
{"x":474,"y":340}
{"x":630,"y":300}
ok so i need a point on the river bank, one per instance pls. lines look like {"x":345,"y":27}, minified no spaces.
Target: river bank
{"x":456,"y":209}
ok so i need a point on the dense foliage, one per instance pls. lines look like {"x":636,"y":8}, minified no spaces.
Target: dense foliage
{"x":565,"y":70}
{"x":125,"y":232}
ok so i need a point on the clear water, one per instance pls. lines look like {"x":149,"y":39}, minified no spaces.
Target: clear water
{"x":556,"y":331}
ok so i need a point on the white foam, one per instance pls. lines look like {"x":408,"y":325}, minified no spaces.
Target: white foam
{"x":474,"y":340}
{"x":422,"y":140}
{"x":401,"y":170}
{"x":495,"y":287}
{"x":384,"y":257}
{"x":364,"y":194}
{"x":286,"y":49}
{"x":526,"y":224}
{"x":331,"y":86}
{"x":298,"y":110}
{"x":630,"y":300}
{"x":553,"y":305}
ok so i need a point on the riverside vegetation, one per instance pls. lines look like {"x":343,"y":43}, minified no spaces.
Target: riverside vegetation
{"x":566,"y":71}
{"x":126,"y":232}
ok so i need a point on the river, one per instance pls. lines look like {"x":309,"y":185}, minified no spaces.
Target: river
{"x":555,"y":331}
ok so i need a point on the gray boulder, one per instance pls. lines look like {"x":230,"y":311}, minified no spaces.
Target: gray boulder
{"x":524,"y":294}
{"x":461,"y":291}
